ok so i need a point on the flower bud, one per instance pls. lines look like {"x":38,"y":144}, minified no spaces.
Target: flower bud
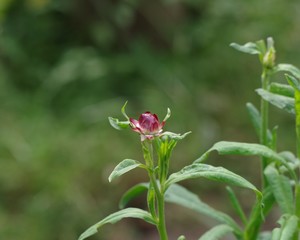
{"x":269,"y":57}
{"x":147,"y":125}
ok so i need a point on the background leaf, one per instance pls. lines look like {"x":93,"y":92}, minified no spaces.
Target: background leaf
{"x":289,"y":226}
{"x":281,"y":189}
{"x":249,"y":47}
{"x":217,"y":232}
{"x":282,"y":102}
{"x":133,"y":193}
{"x":183,"y":197}
{"x":246,"y":149}
{"x":282,"y":89}
{"x":284,"y":67}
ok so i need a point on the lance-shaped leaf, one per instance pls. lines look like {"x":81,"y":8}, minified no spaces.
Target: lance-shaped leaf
{"x":217,"y":232}
{"x":294,"y":82}
{"x":256,"y":120}
{"x":117,"y":216}
{"x":282,"y":102}
{"x":288,"y":229}
{"x":249,"y":47}
{"x":266,"y":235}
{"x":183,"y":197}
{"x":220,"y":174}
{"x":132,"y":193}
{"x":284,"y":67}
{"x":246,"y":149}
{"x":282,"y":89}
{"x":281,"y":189}
{"x":123,"y":167}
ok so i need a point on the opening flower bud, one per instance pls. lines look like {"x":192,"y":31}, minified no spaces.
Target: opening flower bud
{"x":148,"y":125}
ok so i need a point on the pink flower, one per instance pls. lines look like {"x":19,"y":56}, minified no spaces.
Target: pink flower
{"x":148,"y":125}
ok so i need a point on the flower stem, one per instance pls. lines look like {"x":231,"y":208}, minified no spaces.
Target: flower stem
{"x":265,"y":78}
{"x":159,"y":190}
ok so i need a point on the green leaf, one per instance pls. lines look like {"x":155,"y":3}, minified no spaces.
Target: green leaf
{"x":119,"y":125}
{"x":246,"y":149}
{"x":256,"y":120}
{"x":123,"y":167}
{"x":283,"y":67}
{"x":181,"y":238}
{"x":236,"y":204}
{"x":151,"y":200}
{"x":294,"y":82}
{"x":167,"y":115}
{"x":219,"y":174}
{"x":132,"y":193}
{"x":117,"y":216}
{"x":281,"y":189}
{"x":289,"y":227}
{"x":265,"y":236}
{"x":217,"y":232}
{"x":249,"y":47}
{"x":183,"y":197}
{"x":174,"y":136}
{"x":124,"y":112}
{"x":282,"y":102}
{"x":282,"y":89}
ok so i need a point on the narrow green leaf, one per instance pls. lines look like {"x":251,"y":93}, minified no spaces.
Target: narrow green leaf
{"x":119,"y":125}
{"x":288,"y":229}
{"x":151,"y":201}
{"x":217,"y":232}
{"x":283,"y":67}
{"x":181,"y":238}
{"x":236,"y":205}
{"x":123,"y":167}
{"x":183,"y":197}
{"x":132,"y":193}
{"x":256,"y":120}
{"x":117,"y":216}
{"x":167,"y":115}
{"x":219,"y":174}
{"x":294,"y":82}
{"x":174,"y":136}
{"x":266,"y":235}
{"x":246,"y":149}
{"x":281,"y":189}
{"x":123,"y":111}
{"x":276,"y":234}
{"x":249,"y":47}
{"x":282,"y":102}
{"x":282,"y":89}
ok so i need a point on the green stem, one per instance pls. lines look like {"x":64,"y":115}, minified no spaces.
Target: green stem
{"x":255,"y":220}
{"x":297,"y":185}
{"x":297,"y":110}
{"x":265,"y":78}
{"x":159,"y":190}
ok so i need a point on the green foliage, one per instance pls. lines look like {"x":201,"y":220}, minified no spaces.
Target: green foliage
{"x":123,"y":167}
{"x":183,"y":197}
{"x":217,"y":232}
{"x":117,"y":216}
{"x":65,"y":65}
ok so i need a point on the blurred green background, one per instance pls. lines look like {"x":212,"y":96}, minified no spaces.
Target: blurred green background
{"x":66,"y":65}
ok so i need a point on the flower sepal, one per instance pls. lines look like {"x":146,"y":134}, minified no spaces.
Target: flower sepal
{"x":174,"y":136}
{"x":119,"y":125}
